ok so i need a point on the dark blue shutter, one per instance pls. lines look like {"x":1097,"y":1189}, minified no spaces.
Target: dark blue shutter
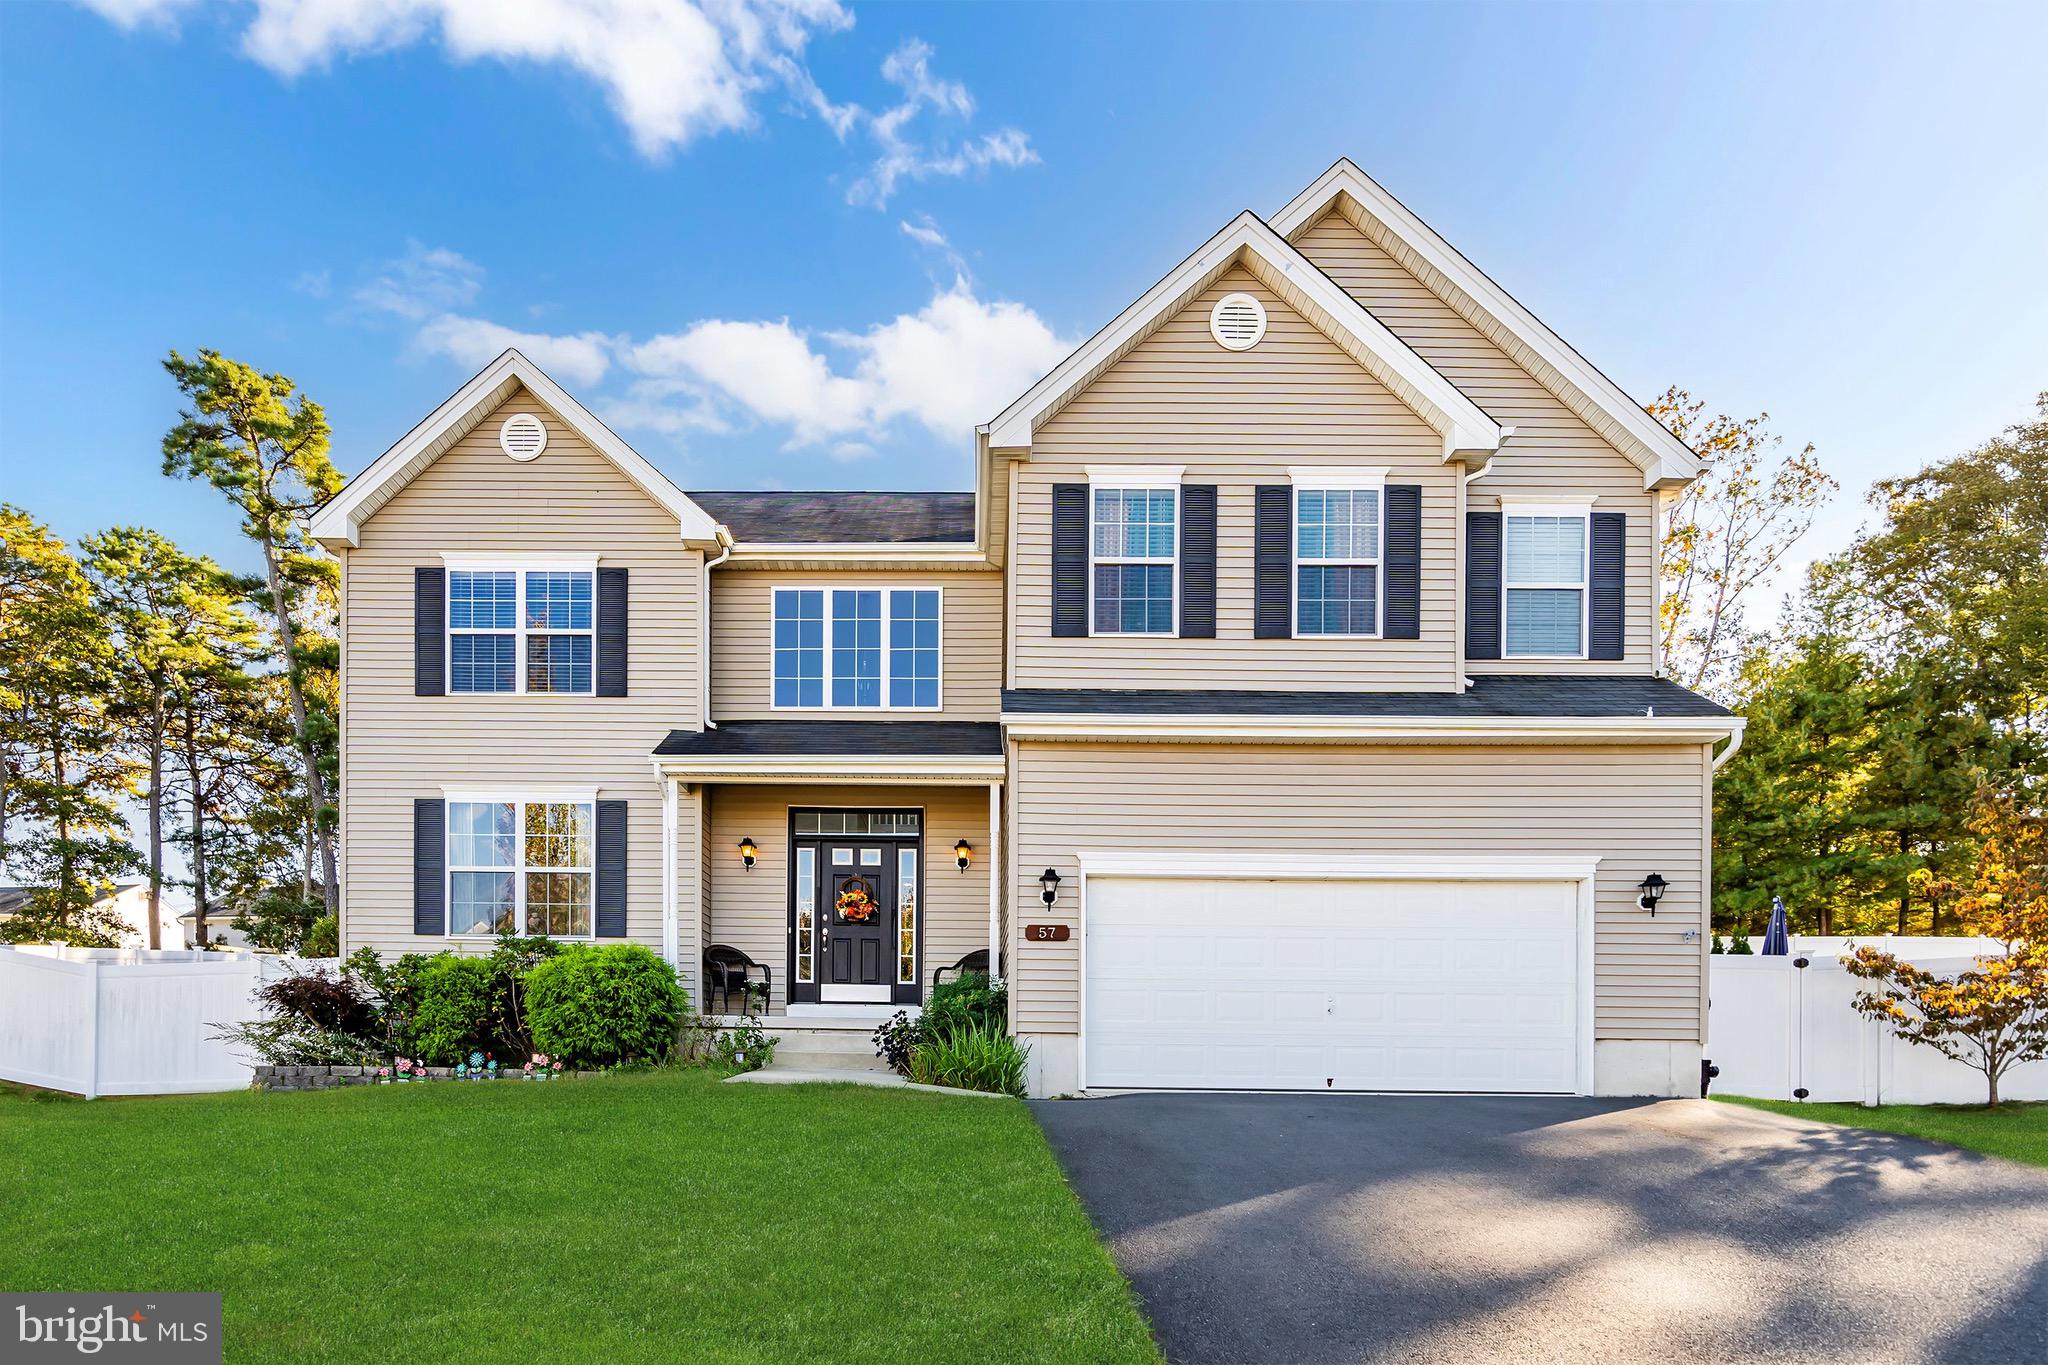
{"x":429,"y":632}
{"x":429,"y":862}
{"x":1070,"y":559}
{"x":1482,"y":585}
{"x":1272,"y":568}
{"x":1606,"y":611}
{"x":1198,"y":561}
{"x":1402,"y":555}
{"x":611,"y":869}
{"x":611,"y":632}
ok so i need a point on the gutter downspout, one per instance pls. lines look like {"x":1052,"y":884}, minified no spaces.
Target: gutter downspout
{"x":1464,"y":681}
{"x":704,"y":631}
{"x":1734,"y":743}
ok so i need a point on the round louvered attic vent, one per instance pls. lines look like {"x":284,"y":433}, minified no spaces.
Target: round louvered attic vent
{"x":1237,"y":322}
{"x":523,"y":436}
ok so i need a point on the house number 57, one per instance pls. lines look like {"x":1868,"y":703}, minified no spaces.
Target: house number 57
{"x":1047,"y":933}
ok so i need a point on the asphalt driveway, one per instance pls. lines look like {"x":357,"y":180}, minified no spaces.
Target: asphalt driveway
{"x":1350,"y":1227}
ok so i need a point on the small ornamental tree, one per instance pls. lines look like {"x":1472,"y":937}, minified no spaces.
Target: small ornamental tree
{"x":1995,"y":1015}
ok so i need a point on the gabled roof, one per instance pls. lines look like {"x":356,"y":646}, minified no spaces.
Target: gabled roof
{"x":340,"y":521}
{"x":833,"y":518}
{"x":1249,"y":242}
{"x":1597,"y":400}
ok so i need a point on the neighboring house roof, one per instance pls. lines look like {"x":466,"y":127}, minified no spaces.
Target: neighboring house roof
{"x":824,"y":518}
{"x":1273,"y":261}
{"x":768,"y":738}
{"x":13,"y":899}
{"x":1577,"y":383}
{"x":341,"y":519}
{"x":1518,"y":697}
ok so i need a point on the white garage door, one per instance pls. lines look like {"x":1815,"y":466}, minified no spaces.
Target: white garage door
{"x":1331,"y":985}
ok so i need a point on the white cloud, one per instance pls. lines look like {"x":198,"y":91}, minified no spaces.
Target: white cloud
{"x":424,"y":281}
{"x":906,"y":157}
{"x":475,"y":342}
{"x":947,"y":366}
{"x":134,"y":14}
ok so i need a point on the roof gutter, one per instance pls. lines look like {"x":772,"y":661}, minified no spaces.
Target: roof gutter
{"x":1375,"y":729}
{"x":704,"y":628}
{"x":1734,"y":743}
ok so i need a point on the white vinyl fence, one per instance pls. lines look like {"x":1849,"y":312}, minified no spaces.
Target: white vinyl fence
{"x":127,"y":1021}
{"x":1780,"y":1031}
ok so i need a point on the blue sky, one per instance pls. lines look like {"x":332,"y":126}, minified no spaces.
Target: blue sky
{"x":809,"y":249}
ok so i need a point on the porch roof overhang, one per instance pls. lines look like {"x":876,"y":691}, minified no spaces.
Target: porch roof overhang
{"x":854,"y":751}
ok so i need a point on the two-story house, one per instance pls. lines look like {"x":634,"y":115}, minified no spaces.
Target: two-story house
{"x":1281,"y":709}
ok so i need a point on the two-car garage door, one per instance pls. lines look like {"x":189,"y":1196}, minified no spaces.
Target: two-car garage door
{"x":1228,"y":983}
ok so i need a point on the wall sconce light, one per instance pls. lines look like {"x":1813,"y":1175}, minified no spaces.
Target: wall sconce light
{"x":1049,"y":886}
{"x":963,"y":853}
{"x":748,"y":852}
{"x":1652,"y":888}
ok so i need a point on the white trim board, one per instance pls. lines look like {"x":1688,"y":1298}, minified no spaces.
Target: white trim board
{"x":1574,"y":380}
{"x":1246,"y":240}
{"x":340,"y":521}
{"x":1390,"y":729}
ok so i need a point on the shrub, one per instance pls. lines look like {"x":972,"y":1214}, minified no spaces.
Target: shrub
{"x":294,"y":1042}
{"x":977,"y":1057}
{"x":1738,"y":945}
{"x":322,"y":1000}
{"x":897,"y":1039}
{"x":1718,"y":947}
{"x":744,"y":1048}
{"x":450,"y":1013}
{"x":600,"y":1006}
{"x":324,"y":938}
{"x":969,"y":999}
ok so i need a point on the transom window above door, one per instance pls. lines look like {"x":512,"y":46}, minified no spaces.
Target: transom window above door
{"x":517,"y":630}
{"x":857,"y":648}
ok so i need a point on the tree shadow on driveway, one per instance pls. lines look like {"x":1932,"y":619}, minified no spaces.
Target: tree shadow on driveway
{"x":1357,"y":1227}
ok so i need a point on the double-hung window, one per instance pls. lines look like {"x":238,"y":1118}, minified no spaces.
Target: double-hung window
{"x":1544,"y":579}
{"x":521,"y":629}
{"x":856,"y":648}
{"x":517,"y":866}
{"x":1133,"y":545}
{"x":1337,"y":559}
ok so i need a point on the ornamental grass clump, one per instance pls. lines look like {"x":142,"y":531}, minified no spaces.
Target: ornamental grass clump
{"x":978,"y":1056}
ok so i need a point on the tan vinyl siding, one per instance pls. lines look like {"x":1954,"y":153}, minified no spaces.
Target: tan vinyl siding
{"x":397,"y":747}
{"x":749,"y":908}
{"x":971,"y":640}
{"x":1637,"y":809}
{"x":1236,"y":419}
{"x":1553,"y":454}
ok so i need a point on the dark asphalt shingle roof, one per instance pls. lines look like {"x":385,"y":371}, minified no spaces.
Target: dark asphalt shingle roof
{"x":828,"y":518}
{"x":768,"y":738}
{"x":1527,"y":696}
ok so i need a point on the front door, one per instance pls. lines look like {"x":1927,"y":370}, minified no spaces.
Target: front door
{"x":857,"y":962}
{"x":855,"y":927}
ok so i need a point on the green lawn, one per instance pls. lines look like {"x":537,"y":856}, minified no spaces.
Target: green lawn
{"x":2015,"y":1131}
{"x":660,"y":1217}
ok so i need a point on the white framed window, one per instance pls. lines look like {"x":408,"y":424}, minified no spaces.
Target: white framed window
{"x":1134,"y":550}
{"x":1544,"y":550}
{"x":906,"y":916}
{"x":806,"y":912}
{"x":1338,"y":530}
{"x":878,"y":648}
{"x":520,"y":627}
{"x":524,"y":865}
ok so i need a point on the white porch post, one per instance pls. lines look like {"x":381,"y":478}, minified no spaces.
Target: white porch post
{"x":995,"y":880}
{"x":669,"y":948}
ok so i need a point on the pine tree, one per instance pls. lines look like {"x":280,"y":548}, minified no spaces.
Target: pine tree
{"x":265,"y":445}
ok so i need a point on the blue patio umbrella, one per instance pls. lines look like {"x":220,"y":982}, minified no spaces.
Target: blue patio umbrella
{"x":1777,"y":938}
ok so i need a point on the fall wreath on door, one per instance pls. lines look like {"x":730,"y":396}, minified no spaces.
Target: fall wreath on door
{"x":855,"y":904}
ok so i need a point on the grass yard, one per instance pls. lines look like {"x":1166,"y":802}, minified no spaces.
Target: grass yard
{"x":2018,"y":1132}
{"x":659,"y":1216}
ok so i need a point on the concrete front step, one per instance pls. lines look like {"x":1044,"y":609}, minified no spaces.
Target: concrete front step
{"x":839,"y":1045}
{"x":799,"y":1060}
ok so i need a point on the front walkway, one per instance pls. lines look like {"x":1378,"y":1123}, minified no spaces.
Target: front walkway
{"x":1341,"y":1227}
